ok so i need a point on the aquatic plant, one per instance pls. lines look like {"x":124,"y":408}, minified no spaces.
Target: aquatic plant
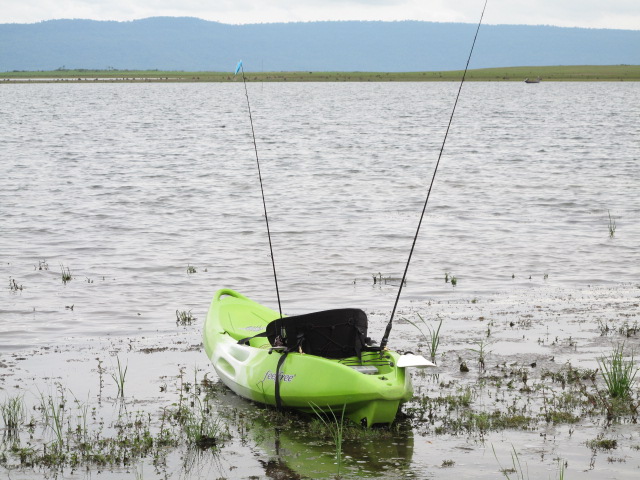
{"x":612,"y":226}
{"x":53,"y":409}
{"x":201,"y":428}
{"x":482,"y":352}
{"x":119,"y":377}
{"x":516,"y":466}
{"x":619,"y":374}
{"x":601,"y":443}
{"x":454,"y":280}
{"x":184,"y":317}
{"x":335,"y":428}
{"x":13,"y":414}
{"x":628,"y":330}
{"x":191,"y":269}
{"x":13,"y":285}
{"x":434,"y":335}
{"x":66,"y":274}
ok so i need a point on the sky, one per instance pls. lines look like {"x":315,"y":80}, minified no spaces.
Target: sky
{"x":617,"y":14}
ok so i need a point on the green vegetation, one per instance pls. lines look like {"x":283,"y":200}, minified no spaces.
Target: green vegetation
{"x":13,"y":414}
{"x":433,"y":338}
{"x":601,"y":443}
{"x":184,"y":317}
{"x":335,"y":428}
{"x":619,"y":374}
{"x":119,"y":378}
{"x":66,"y":274}
{"x":514,"y":74}
{"x":482,"y":352}
{"x":612,"y":226}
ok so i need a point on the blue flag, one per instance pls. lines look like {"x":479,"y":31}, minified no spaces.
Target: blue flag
{"x":238,"y":67}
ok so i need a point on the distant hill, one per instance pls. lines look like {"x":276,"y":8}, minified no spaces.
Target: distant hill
{"x":169,"y":43}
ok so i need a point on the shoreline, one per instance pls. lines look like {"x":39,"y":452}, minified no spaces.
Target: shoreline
{"x":610,"y":73}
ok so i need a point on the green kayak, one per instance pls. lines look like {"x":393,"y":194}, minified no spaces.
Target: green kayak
{"x":369,"y":387}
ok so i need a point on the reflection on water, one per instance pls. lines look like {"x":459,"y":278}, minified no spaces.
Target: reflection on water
{"x":293,"y":445}
{"x":126,"y":185}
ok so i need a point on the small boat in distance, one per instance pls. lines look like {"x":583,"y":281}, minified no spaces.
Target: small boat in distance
{"x":532,"y":80}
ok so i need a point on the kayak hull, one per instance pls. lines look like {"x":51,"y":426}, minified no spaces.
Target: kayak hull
{"x":370,"y":389}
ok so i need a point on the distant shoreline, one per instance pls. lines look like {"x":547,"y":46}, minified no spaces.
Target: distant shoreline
{"x":591,"y":73}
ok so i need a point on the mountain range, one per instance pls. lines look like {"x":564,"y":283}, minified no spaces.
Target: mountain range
{"x":191,"y":44}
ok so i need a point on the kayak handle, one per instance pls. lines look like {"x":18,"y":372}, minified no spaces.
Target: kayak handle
{"x":228,"y":292}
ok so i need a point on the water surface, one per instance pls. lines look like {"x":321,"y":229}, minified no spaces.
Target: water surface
{"x":128,"y":184}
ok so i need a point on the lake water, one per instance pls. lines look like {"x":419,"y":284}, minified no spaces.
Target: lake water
{"x":127,"y":185}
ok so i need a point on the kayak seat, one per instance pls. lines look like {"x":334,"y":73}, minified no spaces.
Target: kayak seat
{"x":339,"y":333}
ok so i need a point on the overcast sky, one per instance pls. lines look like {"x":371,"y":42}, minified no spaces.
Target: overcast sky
{"x":620,"y":14}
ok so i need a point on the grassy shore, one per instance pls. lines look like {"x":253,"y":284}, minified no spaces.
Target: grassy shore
{"x":515,"y":74}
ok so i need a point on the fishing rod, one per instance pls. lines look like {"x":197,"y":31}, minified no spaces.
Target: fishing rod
{"x":240,"y":67}
{"x":385,"y":338}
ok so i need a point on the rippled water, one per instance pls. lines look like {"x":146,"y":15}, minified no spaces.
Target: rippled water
{"x":128,"y":184}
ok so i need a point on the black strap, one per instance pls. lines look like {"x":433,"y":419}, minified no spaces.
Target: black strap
{"x":245,"y":341}
{"x":280,"y":362}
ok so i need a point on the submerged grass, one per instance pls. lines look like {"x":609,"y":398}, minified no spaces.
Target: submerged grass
{"x":517,"y":469}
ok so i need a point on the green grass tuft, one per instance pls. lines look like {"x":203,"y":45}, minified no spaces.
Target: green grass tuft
{"x":119,"y":377}
{"x":619,"y":374}
{"x":335,"y":428}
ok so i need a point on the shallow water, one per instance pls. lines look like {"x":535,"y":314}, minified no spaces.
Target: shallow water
{"x":128,"y":184}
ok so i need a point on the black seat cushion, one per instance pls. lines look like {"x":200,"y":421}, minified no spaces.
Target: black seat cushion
{"x":339,"y":333}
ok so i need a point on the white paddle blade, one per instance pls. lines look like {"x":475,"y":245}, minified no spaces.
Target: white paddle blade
{"x":411,"y":360}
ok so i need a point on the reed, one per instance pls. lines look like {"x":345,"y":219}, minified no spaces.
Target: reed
{"x":13,"y":414}
{"x":184,"y":317}
{"x":201,"y":429}
{"x":53,"y":409}
{"x":516,"y":466}
{"x":119,"y":377}
{"x":434,"y":335}
{"x":66,"y":274}
{"x":482,"y":352}
{"x":13,"y":285}
{"x":335,"y":428}
{"x":619,"y":374}
{"x":612,"y":226}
